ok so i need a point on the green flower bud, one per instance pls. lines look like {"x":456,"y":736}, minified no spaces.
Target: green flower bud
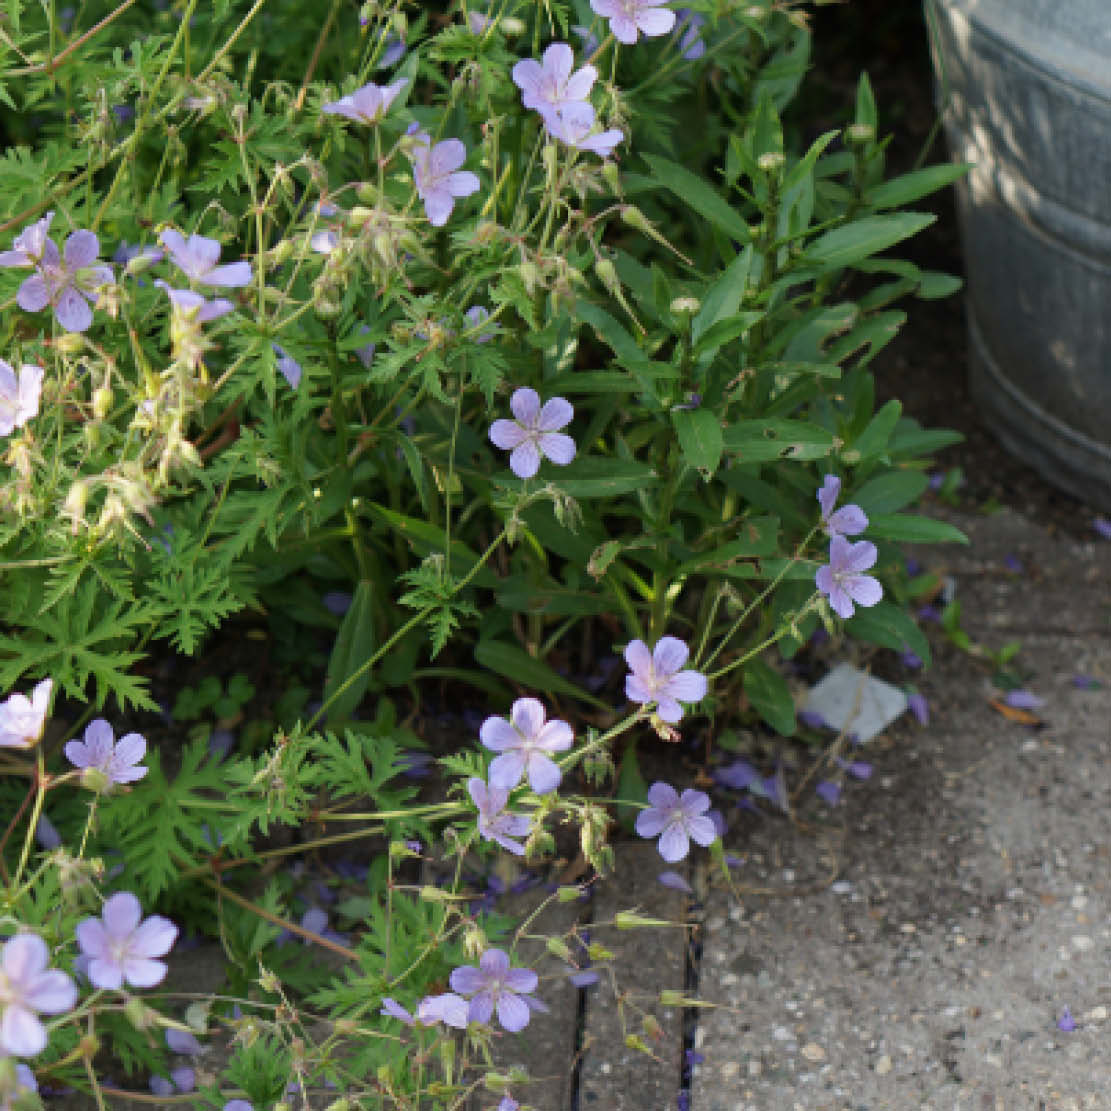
{"x":860,"y":133}
{"x":102,"y":402}
{"x":685,"y":306}
{"x":771,"y":161}
{"x":139,"y":1014}
{"x":559,"y":948}
{"x":511,"y":25}
{"x":568,"y":894}
{"x":93,"y":779}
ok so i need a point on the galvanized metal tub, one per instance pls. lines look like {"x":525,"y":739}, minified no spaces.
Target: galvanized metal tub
{"x":1025,"y":86}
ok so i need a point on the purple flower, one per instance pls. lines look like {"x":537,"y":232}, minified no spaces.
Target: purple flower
{"x":27,"y":986}
{"x":184,"y":1078}
{"x":524,"y":741}
{"x":508,"y":1103}
{"x":910,"y":659}
{"x":573,"y":127}
{"x":125,"y":254}
{"x":448,"y":1008}
{"x":192,"y":307}
{"x":828,"y":791}
{"x":160,"y":1086}
{"x":676,"y":818}
{"x":494,"y":824}
{"x":846,"y":521}
{"x":1085,"y":683}
{"x":121,"y":948}
{"x":1103,"y":526}
{"x":675,"y":881}
{"x":1066,"y":1022}
{"x":437,"y":176}
{"x":46,"y":834}
{"x":1013,"y":564}
{"x":534,"y":433}
{"x":1023,"y":700}
{"x":288,"y":365}
{"x":365,"y":354}
{"x":919,"y":707}
{"x":24,"y":1082}
{"x":197,"y":258}
{"x":394,"y":52}
{"x":19,"y":398}
{"x":493,"y":984}
{"x":812,"y":719}
{"x":841,"y":579}
{"x":590,"y":41}
{"x":118,"y":760}
{"x":738,"y":775}
{"x":475,"y":317}
{"x":23,"y":719}
{"x":392,"y":1009}
{"x":66,"y":285}
{"x":858,"y":769}
{"x":550,"y":87}
{"x":656,"y":677}
{"x":689,"y":29}
{"x":183,"y":1041}
{"x":628,"y":18}
{"x":238,"y":1105}
{"x":324,"y":242}
{"x":368,"y":104}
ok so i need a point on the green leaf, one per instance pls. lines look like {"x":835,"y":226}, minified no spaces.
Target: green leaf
{"x":768,"y":692}
{"x":520,"y":596}
{"x":700,"y":438}
{"x":888,"y":492}
{"x":866,"y":104}
{"x":873,"y":440}
{"x":355,"y":644}
{"x":631,"y":785}
{"x":598,"y":477}
{"x":517,"y":665}
{"x":934,"y":285}
{"x":912,"y":529}
{"x":845,"y":245}
{"x":756,"y":537}
{"x":722,"y":300}
{"x":725,"y":331}
{"x":912,"y":442}
{"x":908,"y":188}
{"x":695,"y":192}
{"x":757,"y":441}
{"x":890,"y":625}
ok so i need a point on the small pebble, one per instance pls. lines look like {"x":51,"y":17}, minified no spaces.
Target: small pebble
{"x":730,"y":1070}
{"x":813,"y":1052}
{"x":781,"y":1034}
{"x":1096,"y":1014}
{"x":1082,"y":943}
{"x":883,"y":1066}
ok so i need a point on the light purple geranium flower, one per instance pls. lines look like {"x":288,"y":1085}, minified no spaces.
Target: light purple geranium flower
{"x":394,"y":52}
{"x":524,"y":742}
{"x":493,"y":984}
{"x":828,"y":791}
{"x":475,"y":317}
{"x":368,"y":104}
{"x":676,"y":819}
{"x":846,"y":521}
{"x":534,"y":433}
{"x":183,"y":1041}
{"x":120,"y":947}
{"x":689,"y":28}
{"x":288,"y":365}
{"x":549,"y":87}
{"x":494,"y":824}
{"x":192,"y":307}
{"x":27,"y":986}
{"x":573,"y":126}
{"x":239,"y":1105}
{"x":437,"y":176}
{"x":842,"y":580}
{"x":197,"y":258}
{"x":23,"y":719}
{"x":66,"y":281}
{"x":508,"y":1103}
{"x":119,"y":761}
{"x":629,"y":18}
{"x":448,"y":1008}
{"x":657,"y":677}
{"x":19,"y":397}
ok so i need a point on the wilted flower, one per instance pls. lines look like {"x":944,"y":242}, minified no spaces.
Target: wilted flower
{"x":19,"y":398}
{"x":121,"y":948}
{"x":67,"y":283}
{"x":550,"y":87}
{"x":676,"y":819}
{"x":524,"y":742}
{"x":197,"y":258}
{"x":493,"y":984}
{"x":628,"y":18}
{"x":437,"y":176}
{"x":368,"y":104}
{"x":494,"y":824}
{"x":533,"y":433}
{"x":27,"y":986}
{"x":841,"y":579}
{"x":119,"y":761}
{"x":22,"y":719}
{"x":656,"y":677}
{"x":573,"y":126}
{"x":846,"y":521}
{"x":447,"y":1007}
{"x":1066,"y":1023}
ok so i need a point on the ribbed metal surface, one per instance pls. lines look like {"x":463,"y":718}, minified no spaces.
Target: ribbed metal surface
{"x":1026,"y":87}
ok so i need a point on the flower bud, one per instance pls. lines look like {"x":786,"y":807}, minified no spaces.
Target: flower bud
{"x":670,"y":998}
{"x":550,"y":157}
{"x":139,"y":1014}
{"x":268,"y":981}
{"x":596,"y":951}
{"x":511,"y":25}
{"x":93,"y":779}
{"x":612,"y":176}
{"x":530,"y":276}
{"x":475,"y":942}
{"x":607,"y":274}
{"x":91,"y":433}
{"x":651,"y":1026}
{"x":280,"y":252}
{"x":141,"y":263}
{"x":341,"y":1104}
{"x":629,"y":920}
{"x":860,"y":133}
{"x":756,"y":11}
{"x":568,"y":894}
{"x":70,"y":343}
{"x":771,"y":161}
{"x":102,"y":402}
{"x":559,"y":948}
{"x":495,"y":1081}
{"x":635,"y":1041}
{"x":89,"y":1045}
{"x":635,"y":218}
{"x":685,"y":306}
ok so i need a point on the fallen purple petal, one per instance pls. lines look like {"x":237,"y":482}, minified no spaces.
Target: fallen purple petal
{"x":738,"y":775}
{"x":675,"y":881}
{"x":1013,"y":564}
{"x":1021,"y":699}
{"x":812,"y":719}
{"x":1066,"y":1022}
{"x":1103,"y":526}
{"x":919,"y":707}
{"x":829,"y":792}
{"x":1085,"y":683}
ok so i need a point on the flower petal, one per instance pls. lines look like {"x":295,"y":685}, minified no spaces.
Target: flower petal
{"x":92,"y":939}
{"x":524,"y":461}
{"x":438,"y":203}
{"x":154,"y":938}
{"x":864,"y":589}
{"x":556,"y":736}
{"x":494,"y":963}
{"x":232,"y":275}
{"x":560,"y":449}
{"x":467,"y":980}
{"x":34,"y":294}
{"x":498,"y":735}
{"x":527,"y":716}
{"x":555,"y":414}
{"x":701,"y":829}
{"x":669,"y":655}
{"x":21,"y":1034}
{"x":663,"y":796}
{"x":543,"y":774}
{"x":131,"y":748}
{"x":81,"y":249}
{"x":674,"y":843}
{"x":99,"y":737}
{"x":106,"y":973}
{"x":447,"y":156}
{"x":639,"y":659}
{"x":507,"y":434}
{"x":121,"y":913}
{"x":513,"y":1013}
{"x":143,"y":973}
{"x":51,"y":992}
{"x":525,"y":406}
{"x":506,"y":770}
{"x":655,"y":21}
{"x":693,"y":802}
{"x":72,"y":310}
{"x":650,"y":822}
